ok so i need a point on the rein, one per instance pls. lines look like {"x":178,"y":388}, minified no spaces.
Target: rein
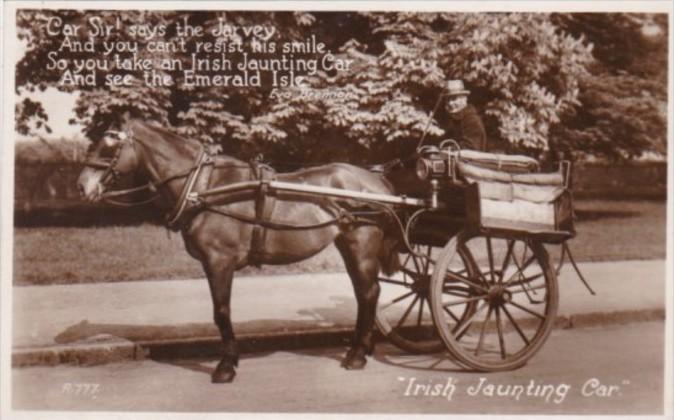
{"x":109,"y":196}
{"x":112,"y":174}
{"x":190,"y":200}
{"x":343,"y":217}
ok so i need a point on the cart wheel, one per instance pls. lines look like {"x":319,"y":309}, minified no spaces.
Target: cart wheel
{"x":404,"y":311}
{"x":516,"y":297}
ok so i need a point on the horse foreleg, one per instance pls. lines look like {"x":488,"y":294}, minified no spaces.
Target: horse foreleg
{"x":220,"y":272}
{"x":359,"y":248}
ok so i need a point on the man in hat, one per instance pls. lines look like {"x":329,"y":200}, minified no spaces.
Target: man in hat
{"x":460,"y":119}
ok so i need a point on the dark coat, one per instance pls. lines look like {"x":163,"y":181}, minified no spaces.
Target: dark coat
{"x":465,"y":127}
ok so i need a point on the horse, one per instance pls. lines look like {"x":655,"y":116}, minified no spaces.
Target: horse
{"x":225,"y":235}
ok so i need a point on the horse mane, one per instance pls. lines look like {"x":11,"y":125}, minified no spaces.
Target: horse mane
{"x":185,"y":144}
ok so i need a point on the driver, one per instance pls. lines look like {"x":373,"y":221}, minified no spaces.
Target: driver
{"x":460,"y":119}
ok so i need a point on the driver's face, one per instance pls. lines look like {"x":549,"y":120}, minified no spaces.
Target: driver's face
{"x":457,"y":103}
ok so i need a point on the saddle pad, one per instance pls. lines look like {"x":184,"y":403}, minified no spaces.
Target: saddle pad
{"x":499,"y":162}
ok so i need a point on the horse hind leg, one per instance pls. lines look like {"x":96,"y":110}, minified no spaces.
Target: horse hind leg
{"x":220,"y":273}
{"x":360,"y":248}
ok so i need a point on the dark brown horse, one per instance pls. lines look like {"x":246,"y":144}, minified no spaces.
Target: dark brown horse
{"x":225,"y":244}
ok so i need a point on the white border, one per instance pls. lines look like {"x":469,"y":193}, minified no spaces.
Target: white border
{"x":669,"y":284}
{"x":7,"y":60}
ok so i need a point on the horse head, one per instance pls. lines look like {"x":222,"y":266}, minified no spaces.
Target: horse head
{"x":112,"y":158}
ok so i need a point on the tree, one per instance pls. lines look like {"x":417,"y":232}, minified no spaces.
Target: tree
{"x":523,"y":71}
{"x":540,"y":81}
{"x":623,"y":99}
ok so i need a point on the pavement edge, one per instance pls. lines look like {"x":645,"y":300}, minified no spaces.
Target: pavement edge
{"x":86,"y":354}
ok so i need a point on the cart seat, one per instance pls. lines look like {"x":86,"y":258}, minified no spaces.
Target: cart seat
{"x":482,"y":174}
{"x":505,"y":186}
{"x":499,"y":162}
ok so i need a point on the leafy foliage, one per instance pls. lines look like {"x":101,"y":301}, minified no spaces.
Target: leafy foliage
{"x":541,"y":81}
{"x":26,"y":108}
{"x":624,"y":96}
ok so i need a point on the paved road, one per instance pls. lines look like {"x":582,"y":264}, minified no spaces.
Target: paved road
{"x":614,"y":369}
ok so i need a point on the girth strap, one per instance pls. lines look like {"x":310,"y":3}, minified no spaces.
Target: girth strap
{"x":264,"y":208}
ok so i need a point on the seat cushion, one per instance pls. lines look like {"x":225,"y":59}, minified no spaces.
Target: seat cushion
{"x":504,"y":186}
{"x":479,"y":173}
{"x":499,"y":162}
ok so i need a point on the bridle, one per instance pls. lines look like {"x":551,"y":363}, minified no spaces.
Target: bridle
{"x":112,"y":173}
{"x":185,"y":199}
{"x":195,"y":177}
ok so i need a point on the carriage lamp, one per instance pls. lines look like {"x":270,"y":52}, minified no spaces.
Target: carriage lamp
{"x":430,"y":168}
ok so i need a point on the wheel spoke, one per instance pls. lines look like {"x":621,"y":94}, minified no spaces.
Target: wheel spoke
{"x":462,"y":301}
{"x":528,"y":290}
{"x":506,"y":260}
{"x":462,"y":328}
{"x":407,"y":259}
{"x":482,"y":330}
{"x":407,"y":312}
{"x":501,"y":342}
{"x":483,"y":282}
{"x":520,"y":270}
{"x":517,"y":327}
{"x":450,"y":313}
{"x":396,"y":300}
{"x":527,"y":280}
{"x":525,"y":309}
{"x":542,"y":286}
{"x":421,"y":311}
{"x":410,"y":273}
{"x":478,"y":324}
{"x":427,"y":262}
{"x":490,"y":255}
{"x":415,"y":259}
{"x":453,"y":276}
{"x":456,"y":292}
{"x":391,"y":281}
{"x":483,"y":279}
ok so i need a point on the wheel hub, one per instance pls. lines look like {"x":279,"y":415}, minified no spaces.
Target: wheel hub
{"x":421,"y":284}
{"x":498,"y":295}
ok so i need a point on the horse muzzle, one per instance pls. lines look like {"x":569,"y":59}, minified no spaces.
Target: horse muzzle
{"x":90,"y":186}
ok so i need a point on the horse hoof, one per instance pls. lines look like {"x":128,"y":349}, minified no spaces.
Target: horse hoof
{"x":223,"y":376}
{"x":355,"y":363}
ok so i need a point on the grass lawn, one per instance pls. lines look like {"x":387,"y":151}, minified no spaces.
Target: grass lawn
{"x":607,"y":230}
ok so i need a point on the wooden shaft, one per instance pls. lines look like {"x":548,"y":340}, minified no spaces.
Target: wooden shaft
{"x":317,"y":190}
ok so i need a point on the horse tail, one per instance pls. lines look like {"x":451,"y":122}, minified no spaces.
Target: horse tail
{"x":389,"y":260}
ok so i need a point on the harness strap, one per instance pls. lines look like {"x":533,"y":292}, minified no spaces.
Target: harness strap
{"x":264,"y":207}
{"x":344,"y":217}
{"x":188,"y":198}
{"x":109,"y":196}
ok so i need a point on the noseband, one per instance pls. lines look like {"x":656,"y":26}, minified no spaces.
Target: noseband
{"x":112,"y":174}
